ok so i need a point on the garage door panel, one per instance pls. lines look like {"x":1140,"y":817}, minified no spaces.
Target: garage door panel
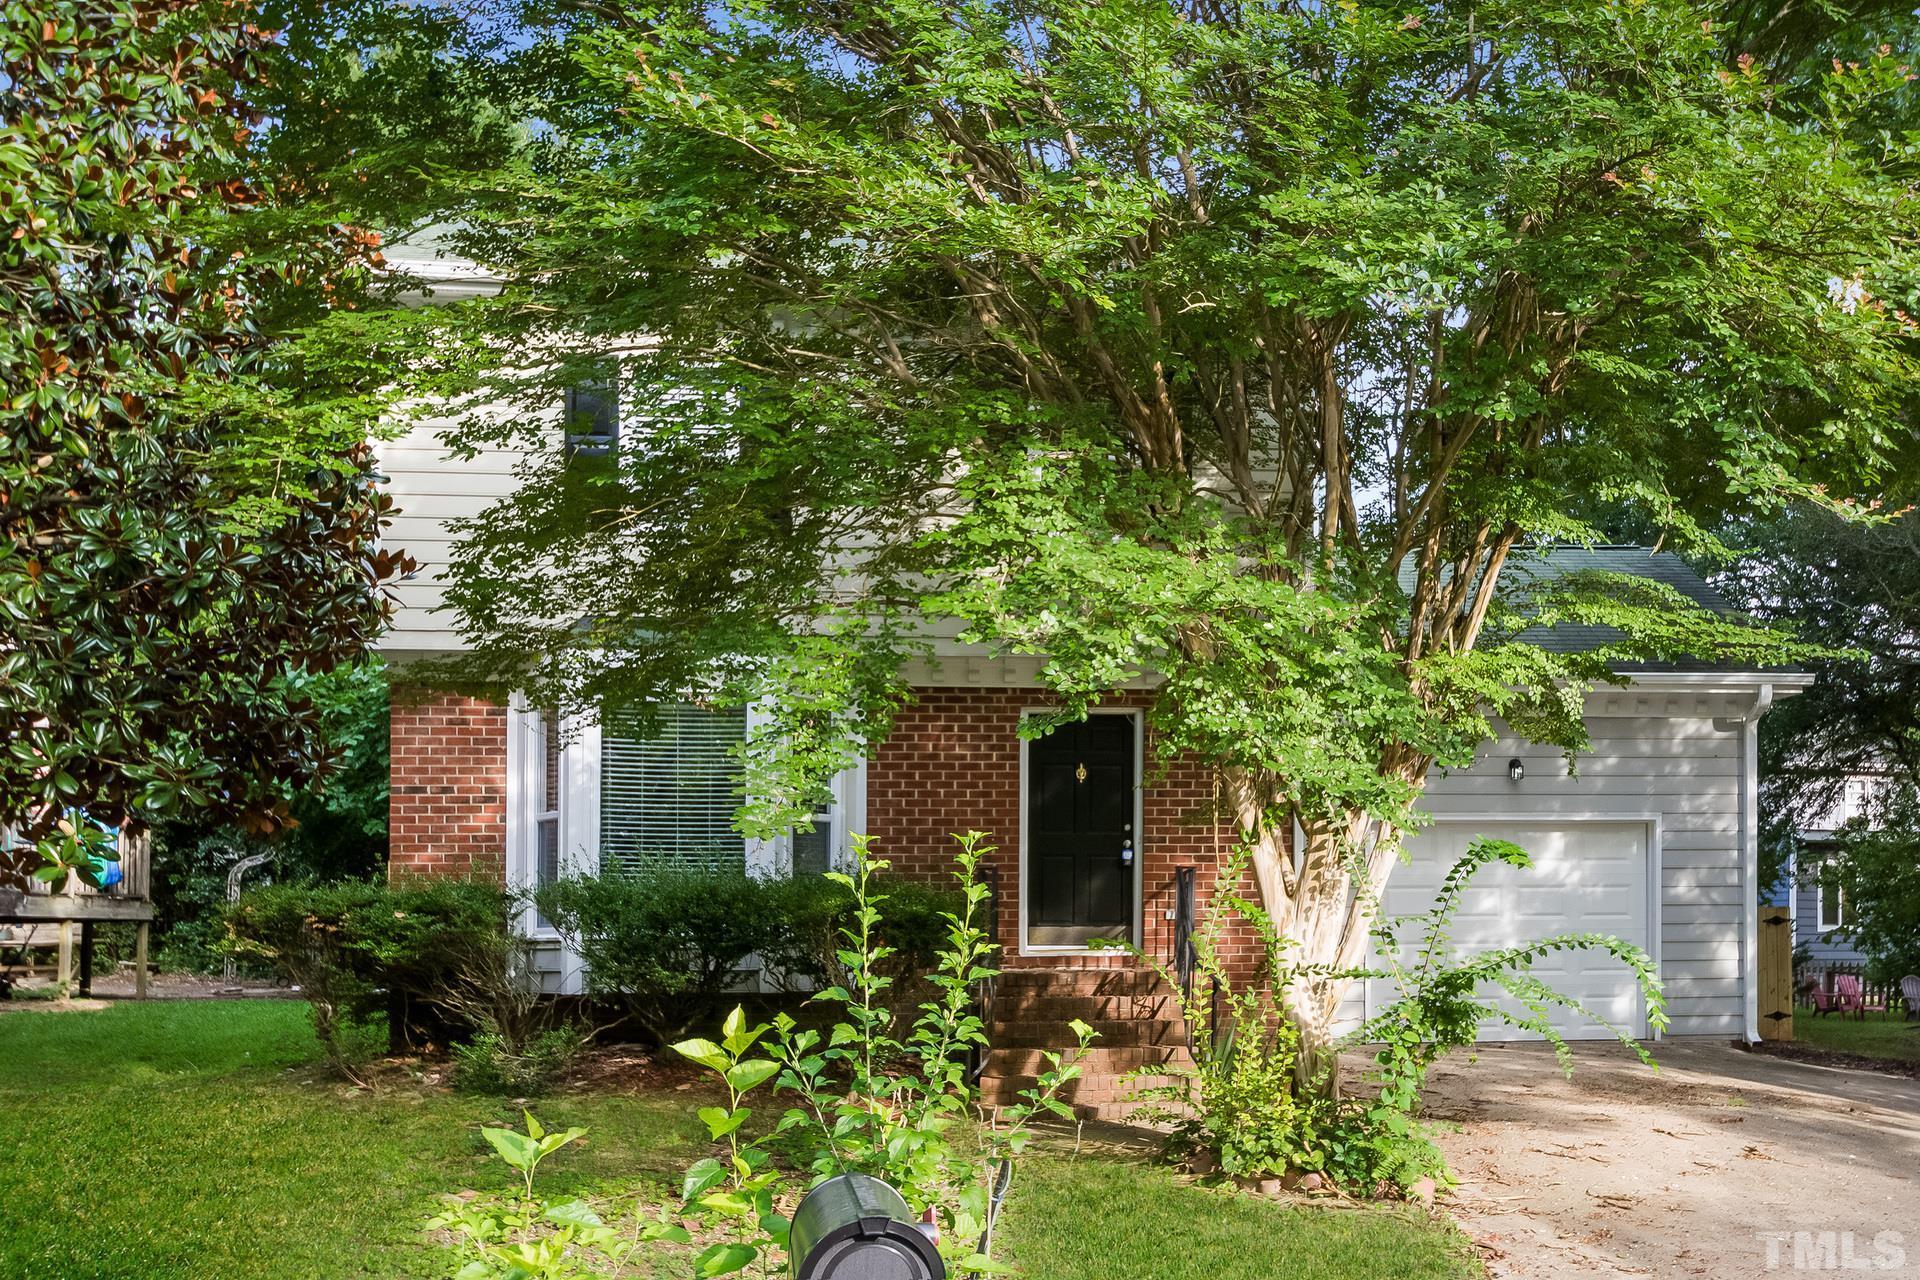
{"x":1587,"y":877}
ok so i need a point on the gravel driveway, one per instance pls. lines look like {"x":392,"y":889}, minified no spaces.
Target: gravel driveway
{"x":1722,"y":1164}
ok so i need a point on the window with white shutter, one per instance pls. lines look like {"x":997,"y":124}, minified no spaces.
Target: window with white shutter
{"x":671,"y":797}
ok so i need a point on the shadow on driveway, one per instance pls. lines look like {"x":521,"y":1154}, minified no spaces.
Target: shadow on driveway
{"x":1721,"y":1164}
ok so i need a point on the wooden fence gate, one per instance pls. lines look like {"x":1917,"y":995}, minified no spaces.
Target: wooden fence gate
{"x":1776,"y":974}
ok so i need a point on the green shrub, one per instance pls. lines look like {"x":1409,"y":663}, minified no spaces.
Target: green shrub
{"x":812,"y":914}
{"x":669,"y":941}
{"x":360,"y":950}
{"x":664,"y":940}
{"x":871,"y":1094}
{"x":1243,"y":1100}
{"x":494,"y":1063}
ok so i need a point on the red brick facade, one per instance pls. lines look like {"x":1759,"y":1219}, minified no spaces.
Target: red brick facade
{"x":952,"y":764}
{"x":448,"y":808}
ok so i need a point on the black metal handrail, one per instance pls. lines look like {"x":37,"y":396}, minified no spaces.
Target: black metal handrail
{"x":1185,"y":958}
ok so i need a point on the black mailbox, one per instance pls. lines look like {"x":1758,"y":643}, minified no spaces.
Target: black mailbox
{"x":853,"y":1227}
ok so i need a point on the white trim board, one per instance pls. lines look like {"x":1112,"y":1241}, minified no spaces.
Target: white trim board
{"x":1139,"y":836}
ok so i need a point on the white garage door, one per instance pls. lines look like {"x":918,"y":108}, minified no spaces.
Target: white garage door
{"x":1587,"y":877}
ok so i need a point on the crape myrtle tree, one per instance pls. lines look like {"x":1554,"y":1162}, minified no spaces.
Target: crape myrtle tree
{"x":1245,"y":346}
{"x":189,"y":521}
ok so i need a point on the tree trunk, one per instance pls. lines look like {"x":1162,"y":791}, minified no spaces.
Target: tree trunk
{"x":1323,"y":897}
{"x":1316,"y":1068}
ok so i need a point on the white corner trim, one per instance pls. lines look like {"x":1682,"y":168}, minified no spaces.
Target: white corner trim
{"x":579,"y":817}
{"x":765,"y":856}
{"x":853,"y":798}
{"x":523,"y":784}
{"x":1750,"y":859}
{"x":580,"y":796}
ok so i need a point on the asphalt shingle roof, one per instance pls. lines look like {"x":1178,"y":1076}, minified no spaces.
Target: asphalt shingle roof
{"x":1543,"y":564}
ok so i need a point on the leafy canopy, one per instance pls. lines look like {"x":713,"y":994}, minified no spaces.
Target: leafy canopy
{"x":1244,"y":345}
{"x":1854,"y":587}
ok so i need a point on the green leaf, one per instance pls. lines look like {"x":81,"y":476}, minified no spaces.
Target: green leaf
{"x":705,"y":1052}
{"x":731,"y":1203}
{"x":516,"y":1148}
{"x":720,"y":1122}
{"x":736,"y":1035}
{"x":724,"y":1259}
{"x":751,"y":1074}
{"x":574,"y":1213}
{"x":701,"y":1176}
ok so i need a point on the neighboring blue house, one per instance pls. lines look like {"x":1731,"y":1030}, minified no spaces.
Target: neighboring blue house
{"x":1819,"y":909}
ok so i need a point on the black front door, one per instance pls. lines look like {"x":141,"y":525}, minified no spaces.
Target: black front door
{"x":1080,"y":836}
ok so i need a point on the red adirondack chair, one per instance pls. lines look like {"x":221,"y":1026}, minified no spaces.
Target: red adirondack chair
{"x":1849,"y":996}
{"x":1824,"y":1001}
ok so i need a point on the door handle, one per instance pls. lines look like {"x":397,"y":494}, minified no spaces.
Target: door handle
{"x":1126,"y":852}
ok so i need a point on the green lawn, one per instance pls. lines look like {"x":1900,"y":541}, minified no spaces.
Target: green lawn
{"x":197,"y":1139}
{"x":1881,"y":1035}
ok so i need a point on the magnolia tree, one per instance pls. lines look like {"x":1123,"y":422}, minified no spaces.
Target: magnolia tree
{"x":189,"y":523}
{"x":1238,"y":346}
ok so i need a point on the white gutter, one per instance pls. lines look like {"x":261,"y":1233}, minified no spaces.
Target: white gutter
{"x":1750,"y":857}
{"x":1717,"y":681}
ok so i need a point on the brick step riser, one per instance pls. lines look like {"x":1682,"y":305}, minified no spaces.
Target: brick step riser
{"x":1088,"y":1090}
{"x":1095,"y":1061}
{"x":1084,"y":982}
{"x":1112,"y":1090}
{"x":1112,"y":1035}
{"x":1101,"y":1112}
{"x":1037,"y":1008}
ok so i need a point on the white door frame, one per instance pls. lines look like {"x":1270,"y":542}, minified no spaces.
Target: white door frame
{"x":1139,"y":832}
{"x":1589,"y":817}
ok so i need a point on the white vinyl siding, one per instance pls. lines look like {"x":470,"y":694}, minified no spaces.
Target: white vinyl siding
{"x":670,"y":797}
{"x":430,"y":489}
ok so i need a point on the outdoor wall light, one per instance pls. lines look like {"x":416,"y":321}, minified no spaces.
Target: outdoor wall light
{"x":1516,"y":770}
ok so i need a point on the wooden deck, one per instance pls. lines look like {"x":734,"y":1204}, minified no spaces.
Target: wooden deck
{"x":64,"y":916}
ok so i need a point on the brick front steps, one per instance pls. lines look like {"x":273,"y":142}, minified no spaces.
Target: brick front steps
{"x":1134,"y":1012}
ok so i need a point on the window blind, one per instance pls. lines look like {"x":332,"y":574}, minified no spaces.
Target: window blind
{"x":671,"y":797}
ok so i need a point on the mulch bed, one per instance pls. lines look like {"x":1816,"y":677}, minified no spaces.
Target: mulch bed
{"x":1831,"y":1058}
{"x":632,"y":1068}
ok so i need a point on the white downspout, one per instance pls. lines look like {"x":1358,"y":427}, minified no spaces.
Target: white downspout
{"x":1750,"y":857}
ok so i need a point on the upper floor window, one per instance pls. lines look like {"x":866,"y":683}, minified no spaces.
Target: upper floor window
{"x":1833,"y":902}
{"x":592,"y":413}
